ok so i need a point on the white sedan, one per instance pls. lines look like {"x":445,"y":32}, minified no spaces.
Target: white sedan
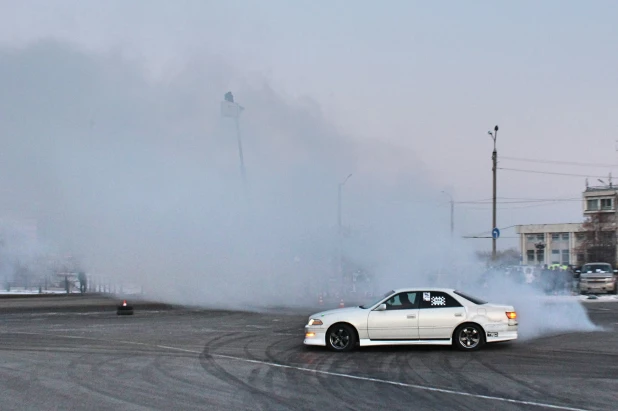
{"x":414,"y":316}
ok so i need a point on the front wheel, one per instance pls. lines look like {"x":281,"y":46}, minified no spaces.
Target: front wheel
{"x":469,"y":337}
{"x":340,"y":337}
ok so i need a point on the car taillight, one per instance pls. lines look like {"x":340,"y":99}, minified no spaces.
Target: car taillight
{"x":511,"y":315}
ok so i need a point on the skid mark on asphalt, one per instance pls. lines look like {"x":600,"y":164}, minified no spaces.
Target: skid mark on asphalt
{"x":329,"y":373}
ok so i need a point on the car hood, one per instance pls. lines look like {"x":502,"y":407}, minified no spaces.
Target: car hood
{"x":336,"y":311}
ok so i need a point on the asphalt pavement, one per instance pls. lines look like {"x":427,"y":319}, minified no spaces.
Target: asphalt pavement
{"x":166,"y":358}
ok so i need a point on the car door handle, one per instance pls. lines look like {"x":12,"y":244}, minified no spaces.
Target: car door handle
{"x":458,"y":315}
{"x":412,"y":316}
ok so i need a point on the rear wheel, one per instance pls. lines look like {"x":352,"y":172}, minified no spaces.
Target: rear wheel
{"x":469,"y":337}
{"x":340,"y":337}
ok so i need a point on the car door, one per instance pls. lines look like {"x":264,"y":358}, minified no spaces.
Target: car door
{"x":439,"y":314}
{"x":398,"y":322}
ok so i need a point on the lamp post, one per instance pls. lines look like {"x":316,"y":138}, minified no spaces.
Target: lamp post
{"x":340,"y":228}
{"x":452,"y":213}
{"x":494,"y":158}
{"x":229,"y":108}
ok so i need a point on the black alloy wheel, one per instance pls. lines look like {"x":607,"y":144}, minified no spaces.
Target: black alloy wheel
{"x":469,"y":337}
{"x":340,"y":337}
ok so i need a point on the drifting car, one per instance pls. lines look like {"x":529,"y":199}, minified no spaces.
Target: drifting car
{"x":414,"y":316}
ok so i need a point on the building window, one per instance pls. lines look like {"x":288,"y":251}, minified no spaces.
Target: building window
{"x":592,"y":205}
{"x":606,"y":204}
{"x":579,"y":236}
{"x":540,"y":256}
{"x":565,"y":256}
{"x":555,"y":256}
{"x":540,"y":237}
{"x":555,"y":236}
{"x":608,"y":237}
{"x":531,"y":237}
{"x":565,"y":236}
{"x":580,"y":257}
{"x":530,"y":256}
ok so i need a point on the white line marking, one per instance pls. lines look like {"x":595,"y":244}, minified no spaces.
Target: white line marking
{"x":330,"y":373}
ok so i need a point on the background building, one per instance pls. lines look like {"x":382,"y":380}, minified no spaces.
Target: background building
{"x":549,"y":243}
{"x":575,"y":243}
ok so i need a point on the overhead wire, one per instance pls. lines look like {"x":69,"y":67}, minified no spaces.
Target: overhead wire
{"x":550,"y":173}
{"x":560,"y":162}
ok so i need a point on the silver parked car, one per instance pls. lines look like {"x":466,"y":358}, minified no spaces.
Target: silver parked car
{"x":597,"y":278}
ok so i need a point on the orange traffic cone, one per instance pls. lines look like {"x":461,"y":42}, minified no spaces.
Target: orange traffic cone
{"x":341,"y":305}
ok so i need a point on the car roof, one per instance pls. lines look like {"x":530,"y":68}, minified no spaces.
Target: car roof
{"x":401,"y":290}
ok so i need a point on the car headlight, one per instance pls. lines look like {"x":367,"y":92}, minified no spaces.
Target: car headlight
{"x":315,"y":321}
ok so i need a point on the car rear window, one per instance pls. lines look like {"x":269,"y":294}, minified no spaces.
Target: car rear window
{"x":474,"y":300}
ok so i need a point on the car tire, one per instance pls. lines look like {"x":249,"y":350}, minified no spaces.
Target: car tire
{"x":469,"y":337}
{"x":341,"y":338}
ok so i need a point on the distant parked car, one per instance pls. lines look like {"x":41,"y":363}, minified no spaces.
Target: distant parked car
{"x":597,"y":278}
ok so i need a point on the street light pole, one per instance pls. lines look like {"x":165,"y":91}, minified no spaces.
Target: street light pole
{"x":452,"y":213}
{"x":243,"y":171}
{"x":339,"y":220}
{"x":340,"y":228}
{"x":494,"y":158}
{"x":229,"y":108}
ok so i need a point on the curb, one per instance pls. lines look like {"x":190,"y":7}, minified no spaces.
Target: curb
{"x":53,"y":295}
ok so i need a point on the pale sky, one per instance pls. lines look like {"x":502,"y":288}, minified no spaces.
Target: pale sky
{"x":430,"y":77}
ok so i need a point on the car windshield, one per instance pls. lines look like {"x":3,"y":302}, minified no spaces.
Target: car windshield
{"x":474,"y":300}
{"x":378,"y":300}
{"x":596,"y":268}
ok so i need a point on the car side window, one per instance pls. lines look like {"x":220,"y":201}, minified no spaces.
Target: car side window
{"x":402,"y":301}
{"x":438,"y":300}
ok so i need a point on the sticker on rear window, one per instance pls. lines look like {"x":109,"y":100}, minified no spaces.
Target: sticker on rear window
{"x":438,"y":300}
{"x":426,"y":296}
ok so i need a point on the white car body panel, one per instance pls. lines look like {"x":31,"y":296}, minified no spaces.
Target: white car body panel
{"x":393,"y":325}
{"x":416,"y":326}
{"x":439,"y":323}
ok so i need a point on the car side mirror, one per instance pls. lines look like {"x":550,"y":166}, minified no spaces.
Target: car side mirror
{"x":381,"y":307}
{"x":615,"y":271}
{"x":578,"y":271}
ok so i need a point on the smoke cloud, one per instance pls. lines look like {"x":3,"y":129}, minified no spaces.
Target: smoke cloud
{"x":538,"y":314}
{"x":138,"y":177}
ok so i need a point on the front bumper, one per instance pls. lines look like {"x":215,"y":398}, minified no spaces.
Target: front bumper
{"x":315,"y":336}
{"x":597,"y":287}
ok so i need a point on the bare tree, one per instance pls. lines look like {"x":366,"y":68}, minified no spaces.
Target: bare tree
{"x":599,"y":238}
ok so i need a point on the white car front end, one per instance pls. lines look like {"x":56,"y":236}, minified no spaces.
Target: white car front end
{"x":318,"y":324}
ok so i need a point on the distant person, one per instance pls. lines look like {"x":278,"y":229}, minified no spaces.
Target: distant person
{"x":83,"y":282}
